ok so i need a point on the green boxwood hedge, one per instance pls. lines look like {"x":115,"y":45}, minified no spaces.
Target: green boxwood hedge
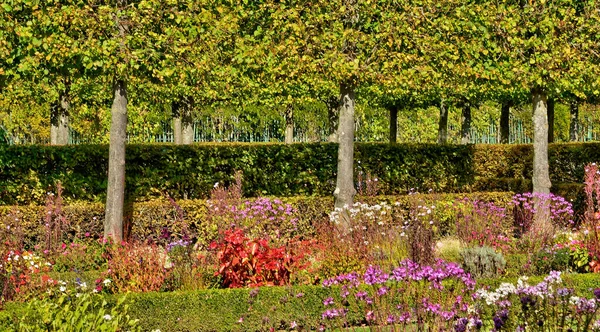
{"x":271,"y":307}
{"x":190,"y":172}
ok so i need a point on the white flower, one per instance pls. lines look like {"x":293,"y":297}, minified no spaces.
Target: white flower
{"x":62,"y":288}
{"x":216,"y":185}
{"x":107,"y":317}
{"x":106,"y":282}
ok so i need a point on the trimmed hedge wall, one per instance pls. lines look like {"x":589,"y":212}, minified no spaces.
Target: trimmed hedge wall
{"x":276,"y":307}
{"x":28,"y":172}
{"x":148,"y":218}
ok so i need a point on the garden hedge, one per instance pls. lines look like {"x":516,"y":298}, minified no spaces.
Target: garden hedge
{"x":271,"y":307}
{"x":28,"y":172}
{"x":146,"y":220}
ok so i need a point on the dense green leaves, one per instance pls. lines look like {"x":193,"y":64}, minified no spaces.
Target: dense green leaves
{"x":27,"y":173}
{"x":273,"y":54}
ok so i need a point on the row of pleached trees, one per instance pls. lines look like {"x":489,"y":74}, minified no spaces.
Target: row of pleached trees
{"x":83,"y":56}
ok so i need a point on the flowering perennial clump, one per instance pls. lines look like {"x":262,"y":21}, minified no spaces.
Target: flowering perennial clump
{"x":522,"y":306}
{"x":560,"y":210}
{"x":409,"y":294}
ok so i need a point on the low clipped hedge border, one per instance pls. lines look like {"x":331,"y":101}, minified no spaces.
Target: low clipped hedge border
{"x":238,"y":310}
{"x":147,"y":219}
{"x":189,"y":172}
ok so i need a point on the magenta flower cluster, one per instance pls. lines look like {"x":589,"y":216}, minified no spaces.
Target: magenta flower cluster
{"x":406,"y":294}
{"x":561,"y":210}
{"x":265,"y":209}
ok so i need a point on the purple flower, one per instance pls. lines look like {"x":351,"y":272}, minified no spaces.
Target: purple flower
{"x":586,"y":306}
{"x":333,"y":313}
{"x":597,"y":293}
{"x":361,"y":295}
{"x":498,"y":323}
{"x":391,"y":319}
{"x":375,"y":275}
{"x":563,"y":292}
{"x":500,"y":319}
{"x":461,"y":325}
{"x":382,"y":290}
{"x":328,"y":301}
{"x":476,"y":322}
{"x":447,"y":315}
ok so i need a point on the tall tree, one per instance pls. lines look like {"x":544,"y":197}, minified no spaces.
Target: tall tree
{"x":551,"y":120}
{"x":393,"y":124}
{"x":115,"y":195}
{"x":465,"y":129}
{"x":443,"y":123}
{"x":505,"y":122}
{"x":574,"y":121}
{"x":542,"y":47}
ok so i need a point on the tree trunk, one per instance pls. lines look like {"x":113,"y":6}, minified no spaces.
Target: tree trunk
{"x":574,"y":122}
{"x":541,"y":173}
{"x":177,"y":129}
{"x":59,"y":120}
{"x":393,"y":124}
{"x":465,"y":129}
{"x":550,"y":120}
{"x":289,"y":125}
{"x":187,"y":122}
{"x":504,"y":123}
{"x":115,"y":196}
{"x":344,"y":190}
{"x":443,"y":124}
{"x":333,"y":113}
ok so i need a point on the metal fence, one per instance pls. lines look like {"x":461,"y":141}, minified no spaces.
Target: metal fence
{"x":210,"y":130}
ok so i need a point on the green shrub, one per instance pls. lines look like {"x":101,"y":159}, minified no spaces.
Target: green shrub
{"x":482,"y":261}
{"x":27,"y":172}
{"x":545,"y":260}
{"x":517,"y":265}
{"x":75,"y":312}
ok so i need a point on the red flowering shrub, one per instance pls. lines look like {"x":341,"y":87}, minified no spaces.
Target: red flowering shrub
{"x":246,"y":262}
